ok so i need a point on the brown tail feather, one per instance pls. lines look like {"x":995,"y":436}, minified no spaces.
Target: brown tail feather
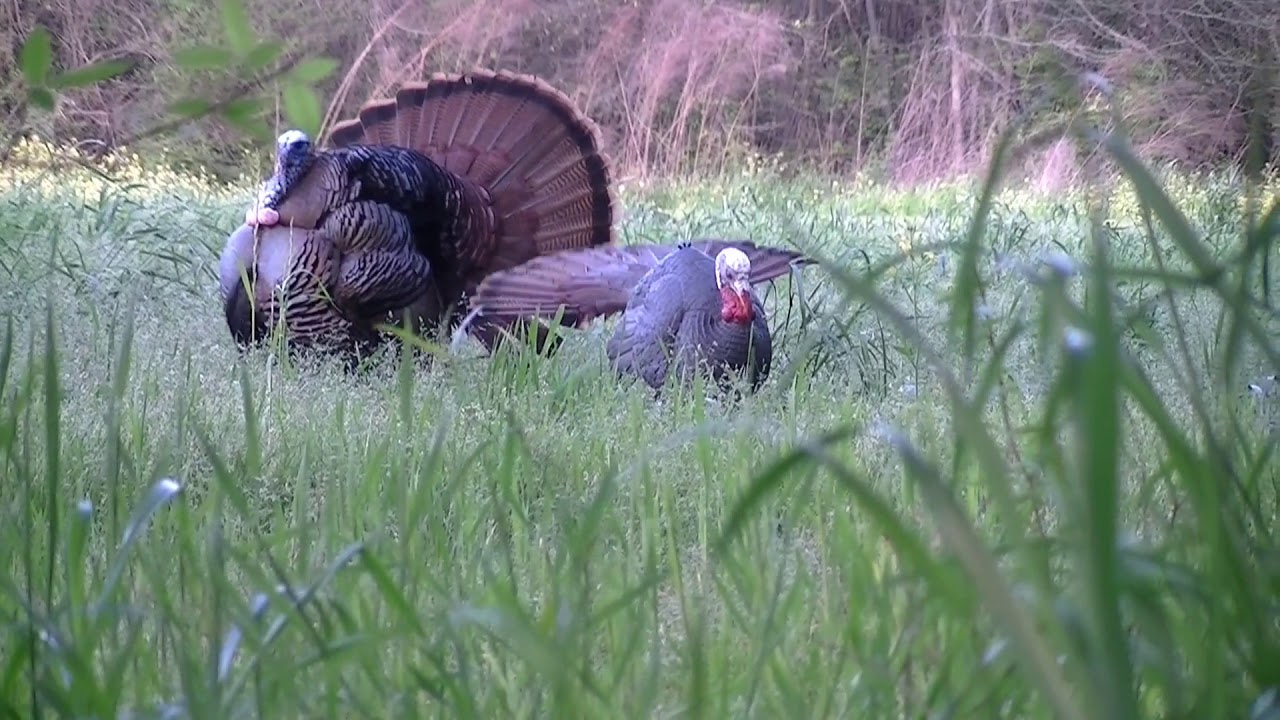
{"x":593,"y":282}
{"x":533,"y":152}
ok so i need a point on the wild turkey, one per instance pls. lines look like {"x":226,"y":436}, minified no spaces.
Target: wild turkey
{"x":416,"y":201}
{"x":361,"y":258}
{"x":677,"y":302}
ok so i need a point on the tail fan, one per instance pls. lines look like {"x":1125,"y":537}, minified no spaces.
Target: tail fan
{"x":518,"y":140}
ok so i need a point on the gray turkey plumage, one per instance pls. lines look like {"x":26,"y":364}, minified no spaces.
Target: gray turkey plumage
{"x":415,"y":202}
{"x":690,"y":312}
{"x":581,"y":285}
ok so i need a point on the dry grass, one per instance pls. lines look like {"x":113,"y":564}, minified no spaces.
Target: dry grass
{"x":913,"y":91}
{"x":683,"y":80}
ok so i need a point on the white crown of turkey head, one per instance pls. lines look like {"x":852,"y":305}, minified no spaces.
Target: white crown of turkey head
{"x":733,"y":279}
{"x":293,"y":148}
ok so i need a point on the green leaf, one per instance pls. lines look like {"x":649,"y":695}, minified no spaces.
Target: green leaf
{"x":768,"y":480}
{"x":313,"y":70}
{"x":242,"y":110}
{"x":1098,"y":446}
{"x":239,"y":30}
{"x":263,"y":54}
{"x":92,"y":74}
{"x":302,"y":108}
{"x":963,"y":540}
{"x":160,"y":495}
{"x":37,"y":56}
{"x":189,"y":107}
{"x":204,"y":57}
{"x":243,"y":114}
{"x":41,"y":98}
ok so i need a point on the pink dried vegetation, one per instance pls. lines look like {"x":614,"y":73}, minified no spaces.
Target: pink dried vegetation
{"x":685,"y":77}
{"x":412,"y":39}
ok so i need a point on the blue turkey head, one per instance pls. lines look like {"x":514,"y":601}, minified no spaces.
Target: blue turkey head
{"x":293,"y":155}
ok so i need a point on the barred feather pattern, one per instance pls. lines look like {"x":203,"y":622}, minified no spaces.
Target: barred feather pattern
{"x":444,"y":213}
{"x":331,"y":281}
{"x":300,"y":265}
{"x":379,"y":270}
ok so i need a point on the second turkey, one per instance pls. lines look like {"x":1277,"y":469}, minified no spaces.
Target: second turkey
{"x":683,"y":307}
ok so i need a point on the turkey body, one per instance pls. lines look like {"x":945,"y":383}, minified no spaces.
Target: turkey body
{"x":417,"y":200}
{"x":679,"y":317}
{"x":325,"y":286}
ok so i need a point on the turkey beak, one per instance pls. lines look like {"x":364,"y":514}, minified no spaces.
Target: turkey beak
{"x":741,"y":287}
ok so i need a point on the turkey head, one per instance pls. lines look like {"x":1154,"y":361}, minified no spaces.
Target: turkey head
{"x":733,"y":279}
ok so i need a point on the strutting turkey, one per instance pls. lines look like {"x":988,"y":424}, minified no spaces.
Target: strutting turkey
{"x":361,"y":258}
{"x":416,"y":201}
{"x":678,"y":303}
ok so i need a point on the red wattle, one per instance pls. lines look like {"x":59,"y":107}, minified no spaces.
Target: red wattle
{"x":735,"y":307}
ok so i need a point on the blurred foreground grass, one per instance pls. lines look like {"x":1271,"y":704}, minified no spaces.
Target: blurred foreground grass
{"x":1004,"y":475}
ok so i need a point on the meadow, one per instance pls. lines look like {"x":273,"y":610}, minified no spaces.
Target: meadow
{"x":993,"y":474}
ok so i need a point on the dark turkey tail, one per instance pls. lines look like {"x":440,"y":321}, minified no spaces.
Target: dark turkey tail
{"x":535,"y":154}
{"x":594,"y":282}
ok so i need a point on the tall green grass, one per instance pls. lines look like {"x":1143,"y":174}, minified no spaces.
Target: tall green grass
{"x":1007,"y":466}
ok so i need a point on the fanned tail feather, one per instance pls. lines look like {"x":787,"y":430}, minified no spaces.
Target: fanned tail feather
{"x":535,"y":156}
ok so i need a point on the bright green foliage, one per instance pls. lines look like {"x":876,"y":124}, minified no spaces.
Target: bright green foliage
{"x":252,"y":62}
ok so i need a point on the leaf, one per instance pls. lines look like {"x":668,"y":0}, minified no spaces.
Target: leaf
{"x":37,"y":57}
{"x":239,"y":30}
{"x":248,"y":122}
{"x":302,"y":108}
{"x":391,"y":593}
{"x":92,"y":74}
{"x":204,"y":57}
{"x":242,"y":110}
{"x":160,"y":494}
{"x":967,"y":282}
{"x":253,"y":127}
{"x":189,"y":107}
{"x":1098,"y":446}
{"x":40,"y":97}
{"x":963,"y":541}
{"x":769,"y":478}
{"x":313,"y":70}
{"x":263,"y":54}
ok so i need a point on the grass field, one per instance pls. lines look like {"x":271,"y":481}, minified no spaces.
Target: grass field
{"x":951,"y":499}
